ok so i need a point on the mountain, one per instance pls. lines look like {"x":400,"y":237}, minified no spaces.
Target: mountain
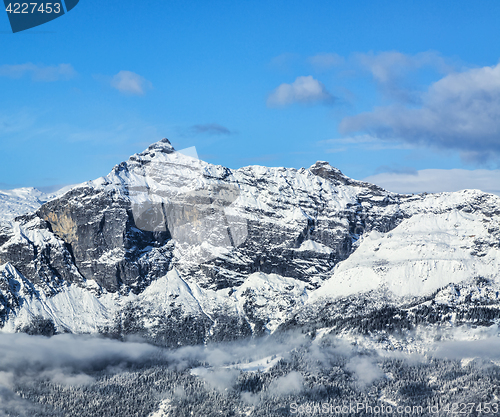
{"x":180,"y":251}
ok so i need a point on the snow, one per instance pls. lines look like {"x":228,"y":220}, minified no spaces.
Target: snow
{"x":162,"y":291}
{"x":260,"y":365}
{"x":271,"y":291}
{"x":73,"y":308}
{"x":424,"y":253}
{"x":83,"y":310}
{"x":310,"y":245}
{"x":163,"y":409}
{"x":19,"y":201}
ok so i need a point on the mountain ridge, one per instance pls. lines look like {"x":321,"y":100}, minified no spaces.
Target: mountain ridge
{"x":236,"y":252}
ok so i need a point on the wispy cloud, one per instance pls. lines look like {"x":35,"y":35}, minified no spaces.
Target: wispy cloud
{"x":283,"y":61}
{"x":21,"y":352}
{"x":395,"y":74}
{"x":211,"y":129}
{"x":72,"y":361}
{"x":437,"y":180}
{"x":461,"y":111}
{"x":40,"y":73}
{"x":304,"y":90}
{"x":129,"y":131}
{"x":337,"y":150}
{"x":365,"y":369}
{"x":389,"y":70}
{"x":32,"y":124}
{"x":325,"y":61}
{"x":130,"y":83}
{"x":364,"y":141}
{"x":291,"y":383}
{"x":220,"y":379}
{"x":350,"y":140}
{"x":15,"y":122}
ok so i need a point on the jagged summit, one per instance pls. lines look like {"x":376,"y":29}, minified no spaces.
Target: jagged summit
{"x":324,"y":170}
{"x":154,"y":152}
{"x":162,"y":152}
{"x":324,"y":166}
{"x":163,"y":145}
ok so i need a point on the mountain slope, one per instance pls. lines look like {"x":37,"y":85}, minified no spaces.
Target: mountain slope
{"x":183,"y":251}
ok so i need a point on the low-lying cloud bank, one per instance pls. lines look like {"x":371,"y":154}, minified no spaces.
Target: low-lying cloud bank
{"x":21,"y":351}
{"x":438,"y":180}
{"x":487,"y":349}
{"x":81,"y":362}
{"x":66,"y":360}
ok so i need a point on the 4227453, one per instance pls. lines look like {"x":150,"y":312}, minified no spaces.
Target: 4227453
{"x":25,"y":8}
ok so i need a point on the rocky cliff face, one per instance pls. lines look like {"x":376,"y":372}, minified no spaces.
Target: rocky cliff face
{"x":169,"y":246}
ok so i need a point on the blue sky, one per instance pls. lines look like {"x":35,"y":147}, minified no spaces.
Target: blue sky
{"x":382,"y":90}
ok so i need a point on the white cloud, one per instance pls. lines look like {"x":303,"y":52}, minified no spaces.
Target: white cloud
{"x":21,"y":351}
{"x":219,"y":379}
{"x":325,"y":61}
{"x":461,"y":111}
{"x":438,"y":180}
{"x":249,"y":398}
{"x":6,"y":379}
{"x":304,"y":90}
{"x":483,"y":349}
{"x":364,"y":369}
{"x":38,"y":72}
{"x":128,"y":82}
{"x":68,"y":378}
{"x":291,"y":383}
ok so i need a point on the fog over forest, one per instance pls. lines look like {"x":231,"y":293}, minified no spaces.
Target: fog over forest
{"x":55,"y":376}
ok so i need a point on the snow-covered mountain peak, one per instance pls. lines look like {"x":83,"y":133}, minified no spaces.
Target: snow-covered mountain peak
{"x":163,"y":146}
{"x":324,"y":170}
{"x":250,"y":247}
{"x":155,"y":151}
{"x":159,"y":168}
